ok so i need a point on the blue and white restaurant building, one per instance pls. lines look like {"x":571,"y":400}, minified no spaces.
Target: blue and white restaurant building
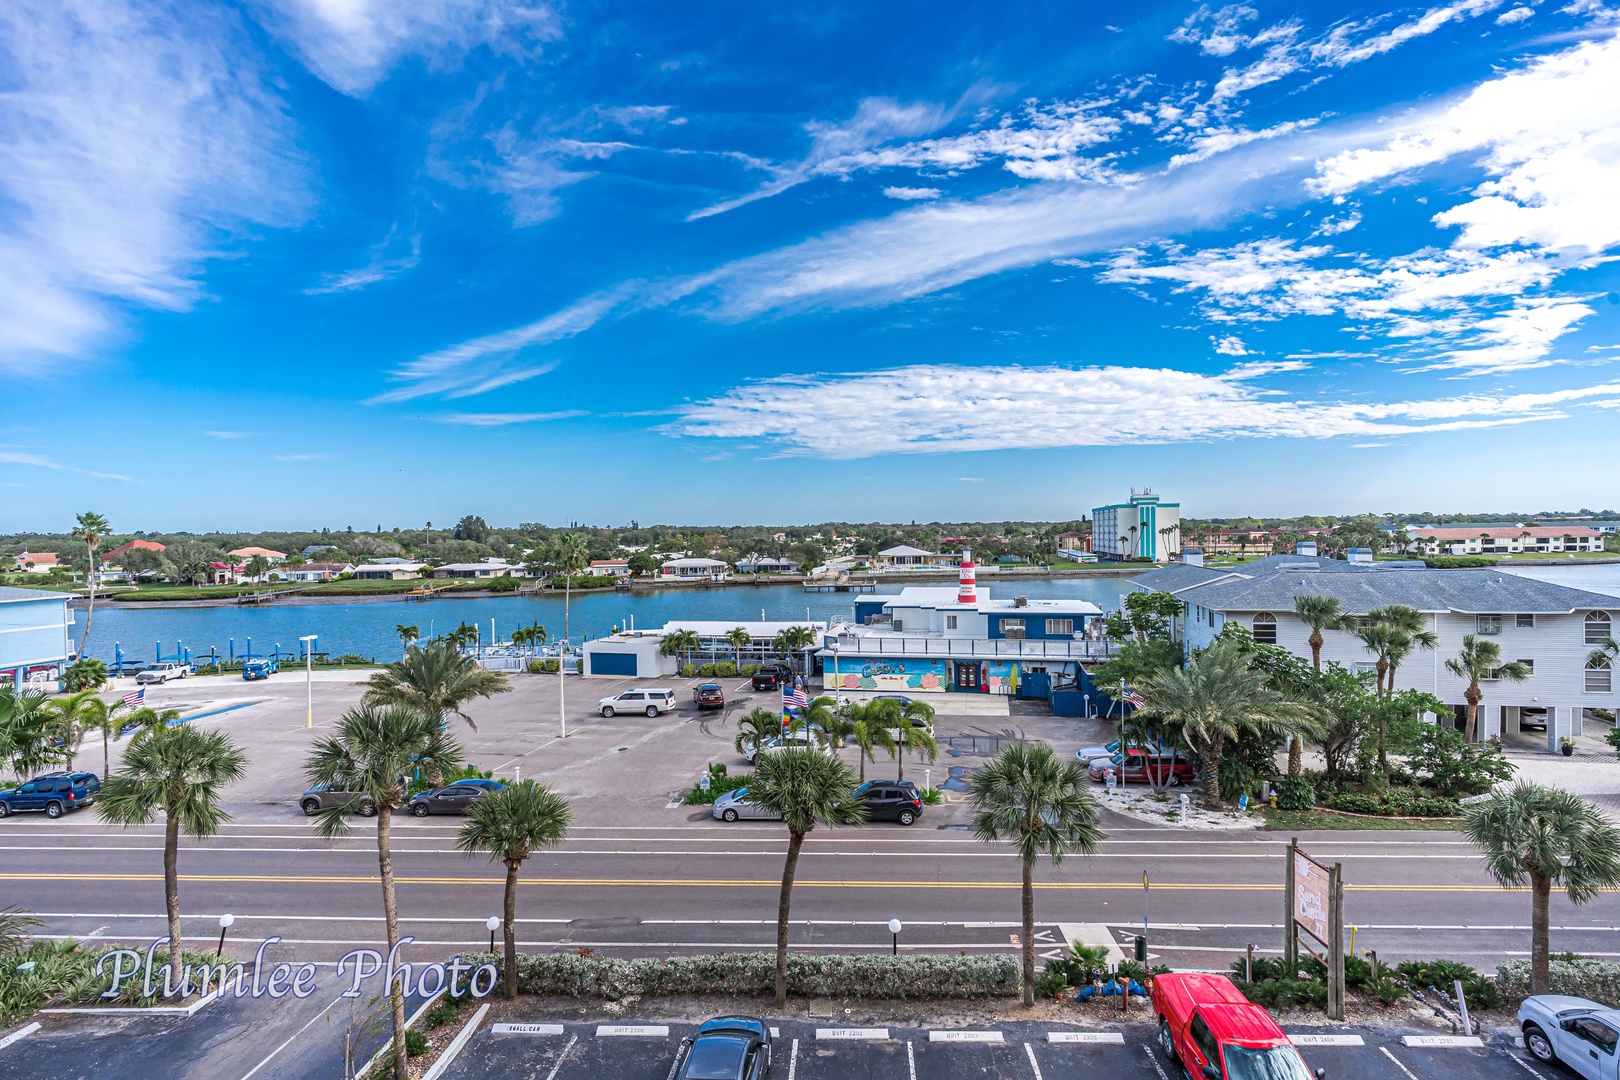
{"x":942,"y":640}
{"x":36,"y":637}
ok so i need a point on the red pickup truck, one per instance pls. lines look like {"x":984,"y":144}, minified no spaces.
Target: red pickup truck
{"x":1213,"y":1032}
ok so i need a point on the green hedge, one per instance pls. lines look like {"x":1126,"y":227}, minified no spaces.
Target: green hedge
{"x":1597,"y":980}
{"x":873,"y":975}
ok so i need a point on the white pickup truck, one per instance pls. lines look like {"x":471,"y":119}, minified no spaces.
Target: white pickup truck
{"x":162,"y":673}
{"x":1582,"y":1034}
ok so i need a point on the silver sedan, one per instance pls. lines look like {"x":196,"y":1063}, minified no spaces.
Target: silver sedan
{"x":734,"y":806}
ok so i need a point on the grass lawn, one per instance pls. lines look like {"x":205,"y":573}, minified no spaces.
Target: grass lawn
{"x":1302,"y":820}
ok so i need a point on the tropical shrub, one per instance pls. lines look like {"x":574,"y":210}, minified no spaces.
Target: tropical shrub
{"x":1295,"y":793}
{"x":1351,"y":803}
{"x":725,"y":669}
{"x":1481,"y":992}
{"x":748,"y":670}
{"x":1596,"y":980}
{"x":689,"y":671}
{"x":504,"y":583}
{"x":705,"y":671}
{"x":86,"y":674}
{"x":718,"y":785}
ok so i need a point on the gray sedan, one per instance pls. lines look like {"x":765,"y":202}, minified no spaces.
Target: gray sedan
{"x":320,"y":797}
{"x":734,"y":805}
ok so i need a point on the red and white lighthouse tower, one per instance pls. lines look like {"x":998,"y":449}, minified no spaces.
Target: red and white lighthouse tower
{"x":967,"y":580}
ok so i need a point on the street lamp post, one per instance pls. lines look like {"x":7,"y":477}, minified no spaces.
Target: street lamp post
{"x":225,"y":922}
{"x":493,"y":922}
{"x":309,"y":678}
{"x":894,"y":931}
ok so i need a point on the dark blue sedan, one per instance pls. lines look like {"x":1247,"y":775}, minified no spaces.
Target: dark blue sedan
{"x":727,"y":1048}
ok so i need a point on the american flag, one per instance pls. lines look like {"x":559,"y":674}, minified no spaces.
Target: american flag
{"x":795,"y":698}
{"x":135,"y":698}
{"x":1131,"y":697}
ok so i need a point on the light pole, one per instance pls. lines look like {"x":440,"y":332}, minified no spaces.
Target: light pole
{"x":225,"y":922}
{"x":894,"y":931}
{"x":493,"y":922}
{"x":309,"y":678}
{"x":562,"y":697}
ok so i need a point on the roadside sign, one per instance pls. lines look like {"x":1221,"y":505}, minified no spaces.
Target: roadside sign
{"x":1311,"y":897}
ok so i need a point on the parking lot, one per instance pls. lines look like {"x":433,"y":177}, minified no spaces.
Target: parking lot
{"x":803,"y":1051}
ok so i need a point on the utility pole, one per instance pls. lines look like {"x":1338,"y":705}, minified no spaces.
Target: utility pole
{"x":1290,"y":931}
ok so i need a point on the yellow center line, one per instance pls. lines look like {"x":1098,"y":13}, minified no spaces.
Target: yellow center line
{"x":763,"y":883}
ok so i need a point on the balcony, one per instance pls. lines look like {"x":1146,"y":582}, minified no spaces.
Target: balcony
{"x":962,"y":648}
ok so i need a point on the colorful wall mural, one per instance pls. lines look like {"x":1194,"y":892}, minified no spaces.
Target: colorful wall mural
{"x":913,"y":676}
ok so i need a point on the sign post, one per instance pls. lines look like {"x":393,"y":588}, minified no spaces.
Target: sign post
{"x":1315,"y":898}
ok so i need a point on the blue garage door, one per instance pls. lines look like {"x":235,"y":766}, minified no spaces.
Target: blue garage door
{"x":613,"y":663}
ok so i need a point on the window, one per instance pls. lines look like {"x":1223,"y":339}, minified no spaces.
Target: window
{"x":1265,"y":628}
{"x":1599,"y":679}
{"x":1524,"y":621}
{"x":1059,"y":627}
{"x":1597,"y":1033}
{"x":1598,"y":627}
{"x":1211,"y":613}
{"x":1530,"y":665}
{"x":1205,"y":1040}
{"x":1012,"y":628}
{"x":1488,"y":624}
{"x":950,"y":622}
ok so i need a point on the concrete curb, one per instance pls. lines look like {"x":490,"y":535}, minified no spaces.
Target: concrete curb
{"x":19,"y":1035}
{"x":445,"y":1059}
{"x":371,"y":1063}
{"x":136,"y":1010}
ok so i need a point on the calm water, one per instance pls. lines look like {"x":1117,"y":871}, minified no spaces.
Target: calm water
{"x":368,"y":628}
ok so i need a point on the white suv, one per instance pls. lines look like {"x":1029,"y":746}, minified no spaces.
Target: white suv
{"x":650,"y":700}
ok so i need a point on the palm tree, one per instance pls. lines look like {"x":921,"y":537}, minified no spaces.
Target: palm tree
{"x":436,"y":679}
{"x":793,"y":640}
{"x":177,"y":772}
{"x":1608,"y":651}
{"x":408,"y":635}
{"x":754,"y":728}
{"x":1409,"y":621}
{"x":77,"y":715}
{"x":872,"y":726}
{"x":1319,"y":613}
{"x":572,"y":557}
{"x":1545,"y":837}
{"x":510,"y":825}
{"x":1481,"y":658}
{"x":805,"y":786}
{"x":90,"y":528}
{"x":739,"y":639}
{"x":680,"y":643}
{"x":28,"y":727}
{"x":1027,"y":796}
{"x":910,"y":736}
{"x":1220,"y":696}
{"x":369,"y":753}
{"x":1379,"y":639}
{"x":257,"y":567}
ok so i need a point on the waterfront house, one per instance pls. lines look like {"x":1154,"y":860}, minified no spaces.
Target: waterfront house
{"x":639,"y":653}
{"x":36,"y":562}
{"x":111,"y":558}
{"x":1505,"y":539}
{"x":765,"y":564}
{"x":246,"y":553}
{"x":695,"y":570}
{"x":389,"y":570}
{"x":906,"y":557}
{"x":315,"y":571}
{"x":36,"y":637}
{"x":615,"y":568}
{"x":488,"y":568}
{"x":1552,"y":628}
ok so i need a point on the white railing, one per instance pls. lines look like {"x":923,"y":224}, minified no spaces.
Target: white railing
{"x":906,"y":645}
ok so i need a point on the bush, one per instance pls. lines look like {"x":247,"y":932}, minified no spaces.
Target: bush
{"x":538,"y":667}
{"x":689,"y":671}
{"x":1351,"y":803}
{"x":1295,"y":793}
{"x":86,"y":674}
{"x":748,"y":670}
{"x":718,"y":785}
{"x":705,"y":671}
{"x":1613,"y":739}
{"x":871,"y":975}
{"x":414,"y":785}
{"x":1237,"y":779}
{"x":1458,"y":562}
{"x":726,"y":669}
{"x":931,"y":796}
{"x":1480,"y":991}
{"x":1437,"y":808}
{"x":1596,"y":980}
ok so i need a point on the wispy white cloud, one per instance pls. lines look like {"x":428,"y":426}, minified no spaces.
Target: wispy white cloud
{"x":1230,"y":345}
{"x":388,"y":260}
{"x":1351,"y":42}
{"x":912,"y":194}
{"x":353,"y":44}
{"x":38,"y":461}
{"x":503,"y":419}
{"x":950,"y":409}
{"x":133,"y":137}
{"x":1516,"y":15}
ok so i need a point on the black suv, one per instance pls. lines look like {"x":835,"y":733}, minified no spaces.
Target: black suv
{"x":891,"y":800}
{"x":772,"y":676}
{"x":56,"y":793}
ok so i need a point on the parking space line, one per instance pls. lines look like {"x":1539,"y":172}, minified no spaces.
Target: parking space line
{"x":1397,"y":1063}
{"x":20,"y":1034}
{"x":911,"y":1060}
{"x":279,"y":1049}
{"x":793,"y":1059}
{"x":1033,"y":1064}
{"x":1523,"y":1064}
{"x":562,"y":1057}
{"x":1153,"y":1061}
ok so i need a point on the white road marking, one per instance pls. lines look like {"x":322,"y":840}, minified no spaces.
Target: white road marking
{"x":1326,"y":1040}
{"x":442,"y":1063}
{"x":526,"y":1029}
{"x":793,"y":1059}
{"x":634,"y":1031}
{"x":868,"y":1034}
{"x":911,"y":1060}
{"x":1525,"y":1065}
{"x":1153,"y":1061}
{"x":1397,"y":1063}
{"x":1112,"y":1038}
{"x":284,"y":1045}
{"x":1447,"y":1042}
{"x":1033,"y":1064}
{"x":20,"y":1034}
{"x":562,"y":1057}
{"x":966,"y":1037}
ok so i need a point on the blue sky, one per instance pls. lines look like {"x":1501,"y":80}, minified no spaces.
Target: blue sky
{"x":295,"y":263}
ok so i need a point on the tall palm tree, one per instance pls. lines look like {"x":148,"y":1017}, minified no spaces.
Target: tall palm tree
{"x":510,"y":825}
{"x":739,"y":639}
{"x":28,"y":727}
{"x":682,"y":643}
{"x":805,"y":786}
{"x":793,"y":640}
{"x":572,"y":557}
{"x":1379,"y":639}
{"x":1545,"y":837}
{"x":1414,"y":635}
{"x":1481,"y":658}
{"x":408,"y":635}
{"x":909,"y":736}
{"x":1319,"y":613}
{"x":176,"y":772}
{"x":1608,"y":650}
{"x":872,"y":725}
{"x":754,"y":728}
{"x":1042,"y":805}
{"x":1217,"y":697}
{"x":91,"y":528}
{"x":257,"y":567}
{"x":437,"y":679}
{"x":368,"y":754}
{"x":76,"y":716}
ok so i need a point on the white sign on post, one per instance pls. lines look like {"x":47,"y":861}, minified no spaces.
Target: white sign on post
{"x":1311,"y":897}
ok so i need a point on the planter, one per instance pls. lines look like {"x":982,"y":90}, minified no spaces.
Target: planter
{"x":1567,"y":751}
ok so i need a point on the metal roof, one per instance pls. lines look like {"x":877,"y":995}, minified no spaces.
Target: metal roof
{"x":1467,"y":591}
{"x":9,"y":595}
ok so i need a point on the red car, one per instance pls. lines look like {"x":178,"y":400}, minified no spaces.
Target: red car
{"x":1134,"y":769}
{"x":709,"y":696}
{"x":1213,"y":1032}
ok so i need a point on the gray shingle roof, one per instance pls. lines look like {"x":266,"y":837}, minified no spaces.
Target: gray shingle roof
{"x":1359,"y":591}
{"x":8,"y":594}
{"x":1176,"y":576}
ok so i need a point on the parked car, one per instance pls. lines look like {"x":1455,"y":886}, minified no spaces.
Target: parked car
{"x":452,"y":798}
{"x":1139,"y":765}
{"x":56,"y":793}
{"x":891,"y":800}
{"x":708,"y":696}
{"x":650,"y":700}
{"x":772,"y":677}
{"x":162,"y":673}
{"x":726,"y":1048}
{"x":261,"y":668}
{"x":1582,"y":1034}
{"x":734,"y":806}
{"x":1210,"y":1030}
{"x":1088,"y":754}
{"x":776,"y":742}
{"x":320,"y":797}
